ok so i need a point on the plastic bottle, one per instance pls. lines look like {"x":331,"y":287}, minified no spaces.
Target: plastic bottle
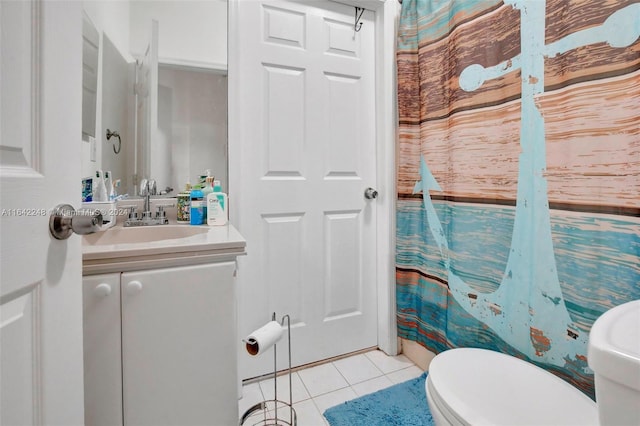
{"x":206,"y":190}
{"x":183,"y":201}
{"x":197,"y":207}
{"x":202,"y":179}
{"x":99,"y":188}
{"x":87,"y":189}
{"x":217,"y":206}
{"x":116,"y":185}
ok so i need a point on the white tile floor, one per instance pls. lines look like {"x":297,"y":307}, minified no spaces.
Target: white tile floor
{"x":317,"y":388}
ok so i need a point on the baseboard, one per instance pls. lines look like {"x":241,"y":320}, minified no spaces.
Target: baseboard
{"x":312,"y":364}
{"x":417,"y":353}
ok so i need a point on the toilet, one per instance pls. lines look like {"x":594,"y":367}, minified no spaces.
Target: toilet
{"x":614,"y":356}
{"x":470,"y":386}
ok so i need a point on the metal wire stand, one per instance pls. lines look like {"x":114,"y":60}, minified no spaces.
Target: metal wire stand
{"x":269,"y":408}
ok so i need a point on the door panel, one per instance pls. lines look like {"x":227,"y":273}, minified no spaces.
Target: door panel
{"x":342,"y":274}
{"x":285,"y":110}
{"x":18,"y":325}
{"x":283,"y":233}
{"x":20,"y":173}
{"x":40,"y":291}
{"x":20,"y":147}
{"x":146,"y":119}
{"x":309,"y":151}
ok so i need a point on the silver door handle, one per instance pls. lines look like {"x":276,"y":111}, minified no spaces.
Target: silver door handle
{"x":370,"y":194}
{"x":64,"y":221}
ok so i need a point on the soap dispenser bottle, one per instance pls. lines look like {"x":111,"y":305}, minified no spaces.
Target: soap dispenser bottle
{"x":206,"y":190}
{"x":217,"y":206}
{"x":183,"y":201}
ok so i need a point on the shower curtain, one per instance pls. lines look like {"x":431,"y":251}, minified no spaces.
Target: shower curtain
{"x":518,"y":211}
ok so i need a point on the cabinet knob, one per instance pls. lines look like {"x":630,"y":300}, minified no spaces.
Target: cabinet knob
{"x":102,"y":290}
{"x":134,"y":287}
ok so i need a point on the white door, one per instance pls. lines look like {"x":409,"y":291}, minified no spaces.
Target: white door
{"x":40,"y":289}
{"x":307,"y":114}
{"x":146,"y":120}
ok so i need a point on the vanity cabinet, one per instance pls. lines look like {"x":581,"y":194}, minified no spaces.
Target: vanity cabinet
{"x":160,"y":346}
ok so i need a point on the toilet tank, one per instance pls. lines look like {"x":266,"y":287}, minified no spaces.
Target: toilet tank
{"x":614,"y":356}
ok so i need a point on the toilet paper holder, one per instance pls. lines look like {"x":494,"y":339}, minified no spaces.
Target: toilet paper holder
{"x":269,"y":408}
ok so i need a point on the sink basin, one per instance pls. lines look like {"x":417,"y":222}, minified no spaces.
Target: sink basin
{"x":120,"y":249}
{"x":142,"y":234}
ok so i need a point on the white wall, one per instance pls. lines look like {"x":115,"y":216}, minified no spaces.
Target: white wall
{"x":112,"y":18}
{"x":191,"y":32}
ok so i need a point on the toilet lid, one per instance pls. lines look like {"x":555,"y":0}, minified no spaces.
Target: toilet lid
{"x":482,"y":387}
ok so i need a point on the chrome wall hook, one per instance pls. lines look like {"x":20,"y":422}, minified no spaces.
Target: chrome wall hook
{"x":357,"y":25}
{"x":115,"y":134}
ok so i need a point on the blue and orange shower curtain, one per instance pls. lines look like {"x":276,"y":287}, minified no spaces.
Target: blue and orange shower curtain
{"x":518,"y":211}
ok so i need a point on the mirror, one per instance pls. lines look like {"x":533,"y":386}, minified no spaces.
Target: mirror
{"x":190,"y":131}
{"x":116,"y":152}
{"x":192,"y":127}
{"x":90,"y":44}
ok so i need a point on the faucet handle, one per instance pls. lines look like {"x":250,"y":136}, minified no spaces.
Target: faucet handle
{"x":152,"y":187}
{"x":132,"y":212}
{"x":144,"y":187}
{"x":161,"y":214}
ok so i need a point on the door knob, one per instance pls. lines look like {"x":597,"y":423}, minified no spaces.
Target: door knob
{"x":370,"y":194}
{"x":102,"y":290}
{"x":134,"y":287}
{"x":65,"y":220}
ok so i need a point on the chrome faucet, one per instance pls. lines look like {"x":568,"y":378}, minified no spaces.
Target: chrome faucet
{"x":147,"y":189}
{"x":144,"y":192}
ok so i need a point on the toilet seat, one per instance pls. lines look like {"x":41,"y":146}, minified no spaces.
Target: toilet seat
{"x":481,"y":387}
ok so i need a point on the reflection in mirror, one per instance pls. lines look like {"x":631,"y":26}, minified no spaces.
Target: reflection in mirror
{"x":146,"y":110}
{"x":90,"y":48}
{"x":190,"y":133}
{"x":192,"y":127}
{"x":115,"y":113}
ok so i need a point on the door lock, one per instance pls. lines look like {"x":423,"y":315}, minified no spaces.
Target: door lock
{"x":370,"y":194}
{"x":65,"y":220}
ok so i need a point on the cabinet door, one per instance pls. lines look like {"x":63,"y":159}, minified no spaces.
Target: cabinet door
{"x":178,"y":346}
{"x":102,"y":350}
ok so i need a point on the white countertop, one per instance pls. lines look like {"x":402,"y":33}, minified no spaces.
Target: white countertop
{"x":121,"y":249}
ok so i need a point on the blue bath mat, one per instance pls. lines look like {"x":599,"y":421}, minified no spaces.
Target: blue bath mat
{"x":404,"y":404}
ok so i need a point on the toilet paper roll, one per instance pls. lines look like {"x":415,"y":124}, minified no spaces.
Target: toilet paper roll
{"x":263,"y":338}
